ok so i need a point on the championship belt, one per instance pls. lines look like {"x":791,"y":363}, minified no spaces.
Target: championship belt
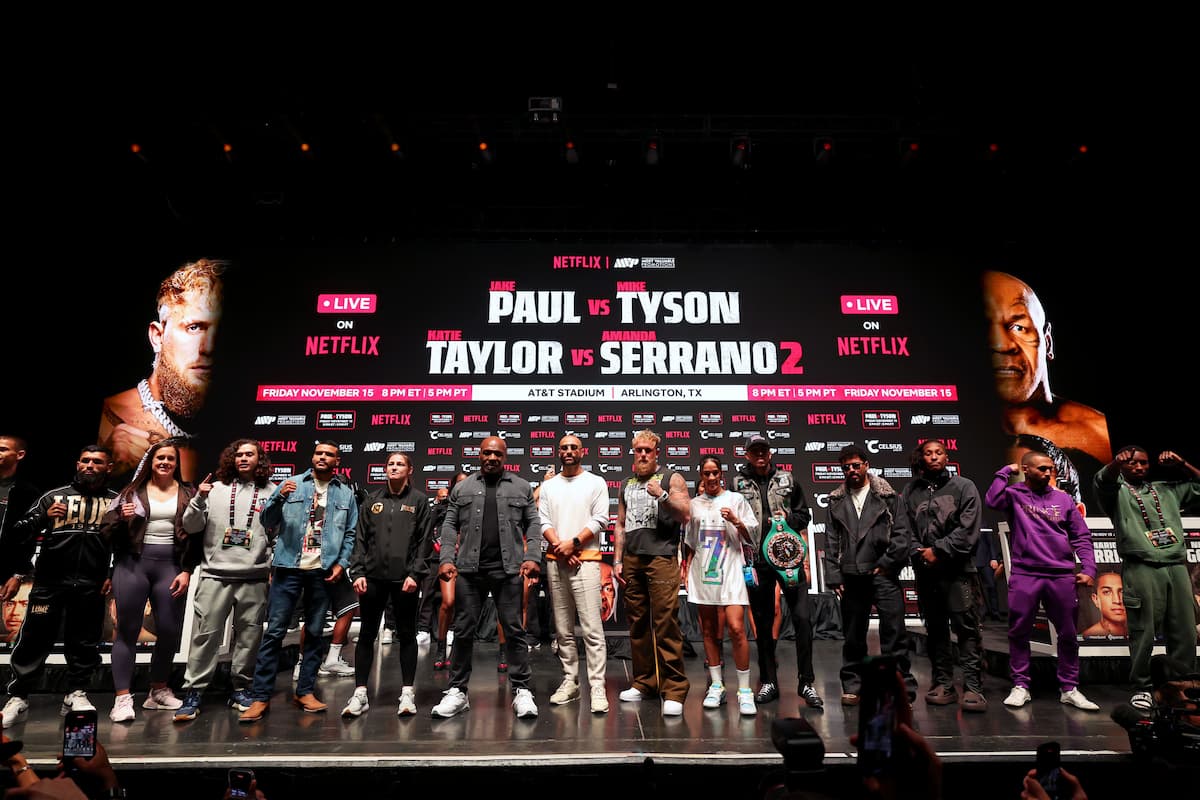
{"x":785,"y":550}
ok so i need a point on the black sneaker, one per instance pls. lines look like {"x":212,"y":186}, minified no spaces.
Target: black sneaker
{"x":766,"y":693}
{"x":809,"y":693}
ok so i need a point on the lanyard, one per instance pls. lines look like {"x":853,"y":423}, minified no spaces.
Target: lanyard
{"x":233,"y":499}
{"x":1142,"y":506}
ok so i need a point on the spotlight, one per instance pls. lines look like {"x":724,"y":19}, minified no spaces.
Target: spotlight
{"x":653,"y":151}
{"x":485,"y":153}
{"x":823,"y":150}
{"x":739,"y":152}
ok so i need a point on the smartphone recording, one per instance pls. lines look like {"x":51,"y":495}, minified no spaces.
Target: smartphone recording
{"x":79,"y":734}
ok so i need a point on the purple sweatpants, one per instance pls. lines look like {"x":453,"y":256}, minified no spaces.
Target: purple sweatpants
{"x":1058,"y":595}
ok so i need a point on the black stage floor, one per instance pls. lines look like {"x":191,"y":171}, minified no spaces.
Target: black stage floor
{"x":631,"y":750}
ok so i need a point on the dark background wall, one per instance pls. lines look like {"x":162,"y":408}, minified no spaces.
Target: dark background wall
{"x":100,"y":225}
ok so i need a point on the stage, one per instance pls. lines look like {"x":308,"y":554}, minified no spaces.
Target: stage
{"x":631,"y":748}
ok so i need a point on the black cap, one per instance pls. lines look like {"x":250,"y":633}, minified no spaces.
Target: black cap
{"x":756,"y":440}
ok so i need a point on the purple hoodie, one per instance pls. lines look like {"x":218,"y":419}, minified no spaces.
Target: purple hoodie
{"x":1047,"y":528}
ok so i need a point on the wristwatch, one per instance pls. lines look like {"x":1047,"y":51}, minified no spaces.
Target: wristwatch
{"x":578,"y":545}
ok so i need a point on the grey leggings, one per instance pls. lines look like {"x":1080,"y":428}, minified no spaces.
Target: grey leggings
{"x":136,"y":580}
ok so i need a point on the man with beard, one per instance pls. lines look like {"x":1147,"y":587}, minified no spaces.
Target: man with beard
{"x":183,"y":337}
{"x":943,"y":520}
{"x":315,"y":514}
{"x":236,"y":566}
{"x":1147,"y":518}
{"x":868,"y":545}
{"x":652,"y":507}
{"x":574,"y":510}
{"x":490,"y":543}
{"x":70,"y":582}
{"x":1075,"y":436}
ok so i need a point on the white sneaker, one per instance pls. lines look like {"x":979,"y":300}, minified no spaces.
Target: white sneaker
{"x":122,"y":710}
{"x":453,"y":701}
{"x":408,"y":704}
{"x":1142,"y":701}
{"x":76,"y":701}
{"x":715,"y":696}
{"x":423,"y":637}
{"x":14,"y":708}
{"x":338,"y":667}
{"x":599,"y":701}
{"x":449,"y":639}
{"x":1018,"y":697}
{"x":296,"y":669}
{"x":357,"y":705}
{"x":523,"y":704}
{"x":567,"y":691}
{"x":1076,"y":698}
{"x":672,"y":708}
{"x":746,"y":704}
{"x":162,"y":699}
{"x":630,"y":695}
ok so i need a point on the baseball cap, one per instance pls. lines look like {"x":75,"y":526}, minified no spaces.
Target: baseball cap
{"x":757,"y":440}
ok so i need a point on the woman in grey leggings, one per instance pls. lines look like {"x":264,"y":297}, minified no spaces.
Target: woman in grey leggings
{"x":154,"y":558}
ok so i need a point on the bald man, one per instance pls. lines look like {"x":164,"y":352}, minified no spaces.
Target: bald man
{"x":1075,"y":436}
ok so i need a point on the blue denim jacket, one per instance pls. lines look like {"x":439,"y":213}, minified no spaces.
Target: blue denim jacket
{"x":290,"y":516}
{"x":520,"y":526}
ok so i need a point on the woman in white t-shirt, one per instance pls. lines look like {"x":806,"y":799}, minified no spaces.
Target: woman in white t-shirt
{"x":715,"y":574}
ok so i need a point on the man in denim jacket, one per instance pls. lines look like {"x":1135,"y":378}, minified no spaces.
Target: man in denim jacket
{"x":491,"y":542}
{"x":315,"y":513}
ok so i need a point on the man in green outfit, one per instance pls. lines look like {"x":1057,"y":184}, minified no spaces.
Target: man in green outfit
{"x":1150,"y":539}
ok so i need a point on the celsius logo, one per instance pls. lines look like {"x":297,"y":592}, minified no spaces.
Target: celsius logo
{"x":509,"y":434}
{"x":264,"y":420}
{"x":441,"y":435}
{"x":373,"y":447}
{"x":679,"y":467}
{"x":821,"y":499}
{"x":778,"y":435}
{"x":711,"y":435}
{"x":604,"y":467}
{"x":876,"y":446}
{"x":576,"y":434}
{"x":626,"y":263}
{"x":919,"y":419}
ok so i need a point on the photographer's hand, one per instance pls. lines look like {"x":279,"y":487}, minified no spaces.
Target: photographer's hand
{"x":1069,"y":787}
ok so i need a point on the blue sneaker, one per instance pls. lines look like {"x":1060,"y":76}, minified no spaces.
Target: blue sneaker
{"x":190,"y":708}
{"x":241,"y":700}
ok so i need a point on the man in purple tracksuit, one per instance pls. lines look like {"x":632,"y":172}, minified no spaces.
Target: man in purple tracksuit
{"x":1047,"y":533}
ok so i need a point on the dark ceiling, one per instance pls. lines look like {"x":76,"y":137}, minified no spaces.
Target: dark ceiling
{"x":616,"y":95}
